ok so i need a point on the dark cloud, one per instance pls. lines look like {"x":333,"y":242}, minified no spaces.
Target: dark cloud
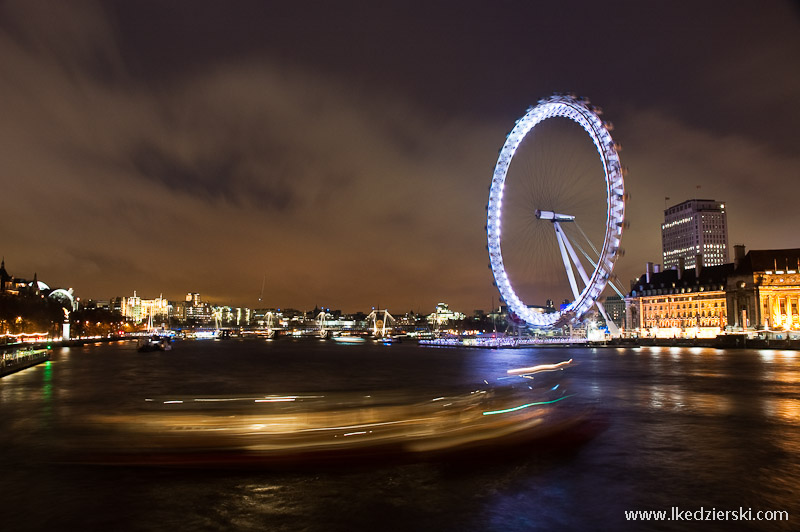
{"x":345,"y":150}
{"x":212,"y":176}
{"x":75,"y":37}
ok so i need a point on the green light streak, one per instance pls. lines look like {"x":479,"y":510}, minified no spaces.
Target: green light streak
{"x":525,"y":406}
{"x":47,"y":384}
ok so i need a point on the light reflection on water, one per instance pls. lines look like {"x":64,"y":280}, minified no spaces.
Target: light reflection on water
{"x":672,"y":427}
{"x":786,"y":410}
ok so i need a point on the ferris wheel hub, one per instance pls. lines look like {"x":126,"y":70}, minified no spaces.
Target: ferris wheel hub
{"x":554,"y":216}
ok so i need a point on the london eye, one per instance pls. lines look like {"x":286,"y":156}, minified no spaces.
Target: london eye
{"x":556,"y":212}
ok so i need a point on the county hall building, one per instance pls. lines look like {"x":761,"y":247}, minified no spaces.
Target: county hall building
{"x":759,"y":291}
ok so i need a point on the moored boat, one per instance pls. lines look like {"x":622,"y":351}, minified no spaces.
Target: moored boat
{"x":155,"y":343}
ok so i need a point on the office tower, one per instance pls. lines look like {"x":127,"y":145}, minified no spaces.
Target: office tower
{"x":697,"y":227}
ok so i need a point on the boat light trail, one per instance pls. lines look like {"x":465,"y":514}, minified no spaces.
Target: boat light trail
{"x":507,"y":410}
{"x":541,"y":367}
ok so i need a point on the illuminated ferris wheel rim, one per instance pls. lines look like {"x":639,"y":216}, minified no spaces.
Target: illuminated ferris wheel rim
{"x":579,"y":111}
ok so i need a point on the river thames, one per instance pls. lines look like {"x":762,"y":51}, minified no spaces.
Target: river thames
{"x":659,"y":428}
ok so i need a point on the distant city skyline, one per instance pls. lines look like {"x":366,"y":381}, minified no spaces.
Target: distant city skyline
{"x":341,"y":154}
{"x":157,"y":305}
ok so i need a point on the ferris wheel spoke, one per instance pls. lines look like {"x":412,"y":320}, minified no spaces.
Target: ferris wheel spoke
{"x":591,"y":244}
{"x":575,"y":243}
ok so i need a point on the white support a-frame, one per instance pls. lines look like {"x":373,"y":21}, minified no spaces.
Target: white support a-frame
{"x":564,"y":245}
{"x":567,"y":253}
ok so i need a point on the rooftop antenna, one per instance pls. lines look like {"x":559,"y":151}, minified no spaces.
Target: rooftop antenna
{"x":263,"y":282}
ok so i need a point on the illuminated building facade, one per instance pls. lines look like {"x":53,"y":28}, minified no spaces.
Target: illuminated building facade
{"x":759,"y":291}
{"x":232,"y":316}
{"x":695,"y":227}
{"x":676,"y":303}
{"x":764,"y":292}
{"x":140,"y":310}
{"x":131,"y":308}
{"x":15,"y":286}
{"x":443,"y":315}
{"x":615,"y":308}
{"x":197,"y":311}
{"x":178,"y":314}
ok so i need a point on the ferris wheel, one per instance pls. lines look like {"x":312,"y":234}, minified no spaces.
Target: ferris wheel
{"x":556,"y":203}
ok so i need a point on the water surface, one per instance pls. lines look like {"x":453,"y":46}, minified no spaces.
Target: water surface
{"x":685,"y":427}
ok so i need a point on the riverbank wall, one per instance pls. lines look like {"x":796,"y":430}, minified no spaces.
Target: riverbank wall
{"x":727,"y":341}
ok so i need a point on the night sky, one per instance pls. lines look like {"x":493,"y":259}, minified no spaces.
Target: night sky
{"x":343,"y":150}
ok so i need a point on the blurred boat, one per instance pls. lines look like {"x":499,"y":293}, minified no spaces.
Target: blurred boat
{"x":349,"y":339}
{"x":275,"y":430}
